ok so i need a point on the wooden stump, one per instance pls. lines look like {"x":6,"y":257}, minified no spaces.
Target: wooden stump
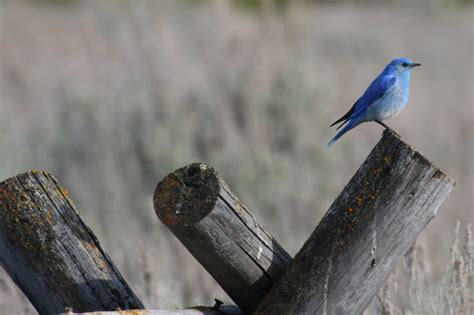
{"x":51,"y":254}
{"x":366,"y":231}
{"x":221,"y":233}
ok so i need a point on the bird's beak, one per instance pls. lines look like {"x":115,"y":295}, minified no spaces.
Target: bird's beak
{"x":415,"y":65}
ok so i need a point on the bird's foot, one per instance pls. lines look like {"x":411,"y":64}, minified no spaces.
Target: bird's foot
{"x":386,"y":127}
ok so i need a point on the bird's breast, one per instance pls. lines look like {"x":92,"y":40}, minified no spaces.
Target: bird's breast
{"x":390,"y":105}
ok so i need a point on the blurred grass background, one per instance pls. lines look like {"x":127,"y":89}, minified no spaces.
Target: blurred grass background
{"x":110,"y":96}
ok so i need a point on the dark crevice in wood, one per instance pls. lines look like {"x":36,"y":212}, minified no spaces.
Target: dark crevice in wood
{"x":249,"y":255}
{"x":253,"y":231}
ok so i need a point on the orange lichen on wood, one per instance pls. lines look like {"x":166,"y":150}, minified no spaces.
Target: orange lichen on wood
{"x":46,"y":247}
{"x":166,"y":196}
{"x":358,"y":200}
{"x":377,"y":170}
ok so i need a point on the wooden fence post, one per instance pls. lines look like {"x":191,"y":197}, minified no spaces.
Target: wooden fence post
{"x":195,"y":310}
{"x":366,"y":231}
{"x":51,"y":254}
{"x":221,"y":233}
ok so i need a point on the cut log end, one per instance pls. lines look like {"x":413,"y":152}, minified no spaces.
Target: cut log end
{"x":389,"y":135}
{"x":221,"y":233}
{"x":186,"y":195}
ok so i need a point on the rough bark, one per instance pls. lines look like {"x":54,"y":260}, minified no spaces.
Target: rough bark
{"x":51,"y":254}
{"x":369,"y":227}
{"x":221,"y":233}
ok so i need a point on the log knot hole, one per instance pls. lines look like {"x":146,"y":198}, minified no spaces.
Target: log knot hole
{"x":187,"y":195}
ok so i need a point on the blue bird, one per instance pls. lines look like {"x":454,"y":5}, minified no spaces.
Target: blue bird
{"x":385,"y":97}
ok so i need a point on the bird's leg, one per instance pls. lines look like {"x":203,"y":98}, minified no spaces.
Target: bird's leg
{"x":386,"y":127}
{"x":383,"y":124}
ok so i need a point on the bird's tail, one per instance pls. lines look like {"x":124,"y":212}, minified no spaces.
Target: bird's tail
{"x":346,"y":128}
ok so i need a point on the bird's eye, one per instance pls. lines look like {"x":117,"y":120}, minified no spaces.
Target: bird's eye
{"x":405,"y":64}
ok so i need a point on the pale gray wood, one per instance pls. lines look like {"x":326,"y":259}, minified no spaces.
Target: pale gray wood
{"x":51,"y":254}
{"x":221,"y":233}
{"x":369,"y":227}
{"x":196,"y":310}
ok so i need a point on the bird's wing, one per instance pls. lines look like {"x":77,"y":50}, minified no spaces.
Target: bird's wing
{"x":377,"y":89}
{"x":346,"y":116}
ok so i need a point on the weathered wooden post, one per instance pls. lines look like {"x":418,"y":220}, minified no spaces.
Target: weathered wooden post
{"x":221,"y":233}
{"x":51,"y":254}
{"x":366,"y":231}
{"x":195,"y":310}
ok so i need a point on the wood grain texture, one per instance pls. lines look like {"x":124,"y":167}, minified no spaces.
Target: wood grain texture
{"x":369,"y":227}
{"x":221,"y":233}
{"x":195,"y":310}
{"x":51,"y":254}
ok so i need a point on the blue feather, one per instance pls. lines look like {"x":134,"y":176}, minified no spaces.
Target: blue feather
{"x":385,"y":97}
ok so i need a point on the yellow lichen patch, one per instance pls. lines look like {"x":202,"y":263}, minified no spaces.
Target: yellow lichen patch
{"x":49,"y":218}
{"x":387,"y":159}
{"x":101,"y":264}
{"x":90,"y":245}
{"x":64,"y":191}
{"x":377,"y":170}
{"x":239,"y":209}
{"x":349,"y":210}
{"x":34,"y":216}
{"x":358,"y":200}
{"x":372,"y":196}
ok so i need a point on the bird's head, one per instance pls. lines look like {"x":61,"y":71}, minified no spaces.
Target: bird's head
{"x":403,"y":65}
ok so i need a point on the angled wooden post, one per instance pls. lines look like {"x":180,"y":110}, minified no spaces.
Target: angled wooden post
{"x":369,"y":227}
{"x":51,"y":254}
{"x":221,"y":233}
{"x":195,"y":310}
